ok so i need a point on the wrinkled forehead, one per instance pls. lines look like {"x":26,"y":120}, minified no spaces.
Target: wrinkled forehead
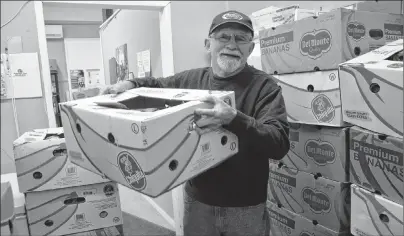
{"x":232,"y":28}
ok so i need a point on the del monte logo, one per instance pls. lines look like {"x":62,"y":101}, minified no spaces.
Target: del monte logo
{"x":321,"y":152}
{"x":356,"y":30}
{"x":323,"y":109}
{"x":20,"y":72}
{"x":315,"y":43}
{"x":318,"y":202}
{"x":131,"y":170}
{"x":232,"y":16}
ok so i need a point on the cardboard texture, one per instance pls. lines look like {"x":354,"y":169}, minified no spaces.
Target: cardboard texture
{"x":319,"y":150}
{"x":109,"y":231}
{"x":42,"y":163}
{"x":273,"y":17}
{"x":316,"y":198}
{"x":72,"y":210}
{"x":377,"y":163}
{"x":283,"y":222}
{"x":373,"y":215}
{"x":372,"y":90}
{"x":7,"y":209}
{"x":144,"y":138}
{"x":312,"y":97}
{"x":20,"y":224}
{"x":325,"y":41}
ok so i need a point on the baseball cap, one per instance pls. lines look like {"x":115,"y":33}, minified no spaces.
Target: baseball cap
{"x":231,"y":17}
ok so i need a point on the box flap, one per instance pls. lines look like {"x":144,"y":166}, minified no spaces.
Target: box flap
{"x":38,"y":135}
{"x":380,"y":54}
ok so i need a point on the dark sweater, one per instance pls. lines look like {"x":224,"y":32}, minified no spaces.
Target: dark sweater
{"x":261,"y":126}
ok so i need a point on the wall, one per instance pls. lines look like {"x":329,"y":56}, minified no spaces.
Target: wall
{"x":190,"y":27}
{"x":56,"y":50}
{"x":31,"y":112}
{"x":141,"y":31}
{"x":71,"y":14}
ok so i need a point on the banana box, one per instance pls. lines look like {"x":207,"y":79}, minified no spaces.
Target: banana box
{"x":311,"y":196}
{"x":323,"y":42}
{"x":73,"y":210}
{"x":319,"y":150}
{"x":42,"y":163}
{"x":7,"y":209}
{"x":312,"y":97}
{"x":109,"y":231}
{"x":283,"y":222}
{"x":272,"y":17}
{"x":20,"y":224}
{"x":372,"y":90}
{"x":377,"y":163}
{"x":145,"y":138}
{"x":374,"y":215}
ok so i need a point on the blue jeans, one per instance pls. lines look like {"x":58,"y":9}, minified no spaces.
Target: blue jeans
{"x":205,"y":220}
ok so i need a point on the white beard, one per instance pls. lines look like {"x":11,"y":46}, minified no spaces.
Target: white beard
{"x":228,"y":65}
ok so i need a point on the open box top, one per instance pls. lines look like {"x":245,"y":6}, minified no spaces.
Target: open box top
{"x":39,"y":135}
{"x":383,"y":53}
{"x":147,"y":103}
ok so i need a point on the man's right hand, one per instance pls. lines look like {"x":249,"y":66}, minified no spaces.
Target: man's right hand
{"x":117,"y":88}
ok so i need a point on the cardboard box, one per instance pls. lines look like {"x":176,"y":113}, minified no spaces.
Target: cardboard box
{"x":312,"y":97}
{"x":377,"y":163}
{"x":109,"y":231}
{"x":283,"y":222}
{"x":313,"y":197}
{"x":373,"y":215}
{"x":149,"y":144}
{"x":323,"y":42}
{"x":372,"y":90}
{"x":272,"y":17}
{"x":20,"y":223}
{"x":319,"y":150}
{"x":75,"y":209}
{"x":42,"y":163}
{"x":7,"y":209}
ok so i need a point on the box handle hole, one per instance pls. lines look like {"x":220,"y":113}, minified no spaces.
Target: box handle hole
{"x":375,"y":88}
{"x":384,"y":218}
{"x":78,"y":127}
{"x":111,"y":138}
{"x":310,"y":88}
{"x":224,"y":140}
{"x":37,"y":175}
{"x":49,"y":223}
{"x":173,"y":165}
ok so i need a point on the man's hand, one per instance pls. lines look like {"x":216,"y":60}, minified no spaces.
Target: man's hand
{"x":117,"y":88}
{"x":220,"y":114}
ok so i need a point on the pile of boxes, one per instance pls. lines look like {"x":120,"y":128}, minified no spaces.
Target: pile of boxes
{"x":330,"y":82}
{"x":60,"y":198}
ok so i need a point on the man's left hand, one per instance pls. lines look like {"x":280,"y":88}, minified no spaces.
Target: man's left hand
{"x":220,"y":114}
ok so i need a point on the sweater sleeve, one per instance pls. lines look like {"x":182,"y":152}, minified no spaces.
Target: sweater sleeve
{"x":267,"y":134}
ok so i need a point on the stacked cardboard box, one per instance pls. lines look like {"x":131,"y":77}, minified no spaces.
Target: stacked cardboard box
{"x":60,"y":197}
{"x":145,"y":138}
{"x":310,"y":186}
{"x":272,"y":17}
{"x":372,"y":100}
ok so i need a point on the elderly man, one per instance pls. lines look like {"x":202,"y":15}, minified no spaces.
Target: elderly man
{"x":230,"y":198}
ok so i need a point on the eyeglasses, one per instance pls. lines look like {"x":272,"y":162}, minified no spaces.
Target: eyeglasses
{"x":238,"y":38}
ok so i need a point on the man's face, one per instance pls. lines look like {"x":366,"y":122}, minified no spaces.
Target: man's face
{"x":229,"y":56}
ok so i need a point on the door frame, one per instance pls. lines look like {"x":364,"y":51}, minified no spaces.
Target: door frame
{"x":167,"y":57}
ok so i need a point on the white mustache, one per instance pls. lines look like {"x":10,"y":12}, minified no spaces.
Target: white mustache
{"x":234,"y":53}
